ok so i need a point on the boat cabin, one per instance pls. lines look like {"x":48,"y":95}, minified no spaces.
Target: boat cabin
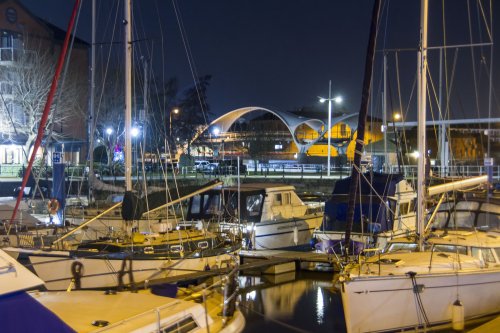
{"x":256,"y":202}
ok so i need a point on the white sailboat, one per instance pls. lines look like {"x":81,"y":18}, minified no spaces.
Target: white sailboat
{"x":98,"y":311}
{"x":431,"y":287}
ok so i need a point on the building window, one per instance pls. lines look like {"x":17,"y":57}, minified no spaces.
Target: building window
{"x":10,"y":45}
{"x":278,"y":146}
{"x":343,"y":130}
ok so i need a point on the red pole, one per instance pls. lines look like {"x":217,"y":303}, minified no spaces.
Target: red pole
{"x":46,"y":110}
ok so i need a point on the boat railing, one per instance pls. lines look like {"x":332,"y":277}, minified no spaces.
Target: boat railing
{"x":34,"y":241}
{"x":368,"y":253}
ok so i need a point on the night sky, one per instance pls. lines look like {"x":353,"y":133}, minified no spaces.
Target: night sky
{"x":280,"y":54}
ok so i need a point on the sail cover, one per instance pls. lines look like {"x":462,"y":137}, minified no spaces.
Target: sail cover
{"x":371,"y":206}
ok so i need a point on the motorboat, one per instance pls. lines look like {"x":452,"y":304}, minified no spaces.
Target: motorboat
{"x":266,"y":215}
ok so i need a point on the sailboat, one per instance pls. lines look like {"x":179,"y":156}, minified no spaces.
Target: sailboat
{"x":385,"y":210}
{"x":98,"y":311}
{"x":439,"y":285}
{"x":128,"y":257}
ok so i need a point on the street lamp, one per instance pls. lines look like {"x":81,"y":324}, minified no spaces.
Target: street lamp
{"x":337,"y":100}
{"x":176,"y":111}
{"x":397,"y":117}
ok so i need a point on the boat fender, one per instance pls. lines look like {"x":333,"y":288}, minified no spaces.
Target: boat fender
{"x":53,"y":206}
{"x":457,"y":316}
{"x":313,"y":242}
{"x":77,"y":273}
{"x":296,"y":235}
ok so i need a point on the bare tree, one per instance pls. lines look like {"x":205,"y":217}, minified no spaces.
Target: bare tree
{"x":29,"y":77}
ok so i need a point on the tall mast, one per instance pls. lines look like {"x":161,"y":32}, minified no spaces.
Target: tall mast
{"x":128,"y":95}
{"x":363,"y":111}
{"x":422,"y":99}
{"x":91,"y":124}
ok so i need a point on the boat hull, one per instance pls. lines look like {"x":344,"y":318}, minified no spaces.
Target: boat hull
{"x":61,"y":270}
{"x":288,"y":234}
{"x":383,"y":304}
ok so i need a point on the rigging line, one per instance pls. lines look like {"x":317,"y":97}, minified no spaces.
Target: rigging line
{"x":386,"y":10}
{"x":103,"y":84}
{"x":432,"y":88}
{"x":162,"y":39}
{"x":398,"y":81}
{"x":450,"y":81}
{"x":473,"y":60}
{"x":192,"y":66}
{"x":489,"y":29}
{"x":490,"y":92}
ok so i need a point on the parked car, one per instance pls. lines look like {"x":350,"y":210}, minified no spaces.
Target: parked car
{"x":211,"y":167}
{"x":200,"y":166}
{"x":229,"y":167}
{"x":28,"y":192}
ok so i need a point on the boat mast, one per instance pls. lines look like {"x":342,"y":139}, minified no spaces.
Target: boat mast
{"x":91,"y":121}
{"x":128,"y":95}
{"x":363,"y":111}
{"x":422,"y":99}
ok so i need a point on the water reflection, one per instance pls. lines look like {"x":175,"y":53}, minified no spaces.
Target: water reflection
{"x":290,"y":303}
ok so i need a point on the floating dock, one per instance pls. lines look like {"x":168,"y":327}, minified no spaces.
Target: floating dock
{"x":262,"y":261}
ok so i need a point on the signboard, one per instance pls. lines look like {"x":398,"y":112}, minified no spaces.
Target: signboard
{"x":56,"y":157}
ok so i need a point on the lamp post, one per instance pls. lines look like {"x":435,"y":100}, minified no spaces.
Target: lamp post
{"x":176,"y":111}
{"x":109,"y":131}
{"x":337,"y":100}
{"x":397,"y":117}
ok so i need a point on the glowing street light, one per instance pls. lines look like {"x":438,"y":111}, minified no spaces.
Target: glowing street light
{"x":135,"y":132}
{"x":109,"y":131}
{"x":175,"y":111}
{"x":337,"y":100}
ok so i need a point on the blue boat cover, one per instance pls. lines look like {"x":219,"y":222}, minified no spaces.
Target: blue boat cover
{"x":19,"y":312}
{"x":371,"y":207}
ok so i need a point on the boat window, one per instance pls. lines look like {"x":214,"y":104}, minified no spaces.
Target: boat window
{"x":440,"y":220}
{"x":467,"y":205}
{"x":277,"y":199}
{"x":403,"y":208}
{"x":195,"y":205}
{"x":446,"y":206}
{"x":483,"y":253}
{"x":488,"y":221}
{"x":492,"y":208}
{"x":253,"y":204}
{"x":182,"y":326}
{"x":461,"y":220}
{"x":497,"y":250}
{"x":407,"y":247}
{"x":203,"y":245}
{"x":211,"y":203}
{"x":286,"y":198}
{"x":449,"y":248}
{"x":176,"y":248}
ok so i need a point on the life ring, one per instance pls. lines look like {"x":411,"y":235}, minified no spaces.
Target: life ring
{"x":53,"y":206}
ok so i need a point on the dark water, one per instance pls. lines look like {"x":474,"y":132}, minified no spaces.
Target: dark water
{"x":291,"y":302}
